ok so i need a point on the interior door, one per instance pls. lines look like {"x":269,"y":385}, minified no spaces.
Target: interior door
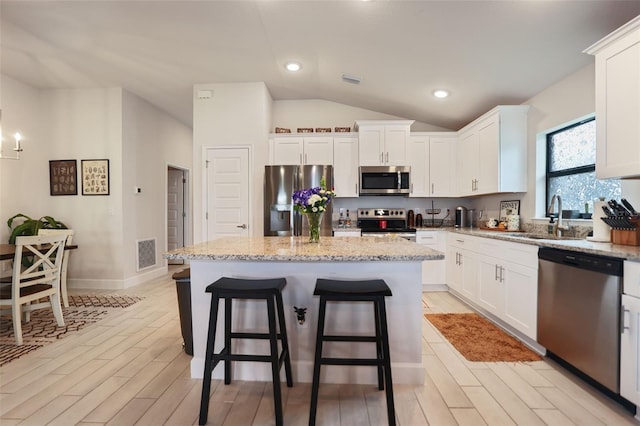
{"x":227,"y":195}
{"x":176,"y":214}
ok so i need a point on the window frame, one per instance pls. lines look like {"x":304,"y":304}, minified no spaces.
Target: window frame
{"x":564,"y":172}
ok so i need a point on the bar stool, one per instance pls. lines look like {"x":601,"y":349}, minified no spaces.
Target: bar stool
{"x":256,"y":289}
{"x":354,"y":291}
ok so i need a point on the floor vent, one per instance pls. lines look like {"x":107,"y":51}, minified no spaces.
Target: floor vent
{"x":146,"y":253}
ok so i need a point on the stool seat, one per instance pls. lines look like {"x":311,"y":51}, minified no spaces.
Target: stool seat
{"x":269,"y":290}
{"x":239,"y":285}
{"x":374,"y":291}
{"x":357,"y":288}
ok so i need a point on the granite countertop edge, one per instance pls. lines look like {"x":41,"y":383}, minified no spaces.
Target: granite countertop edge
{"x":577,"y":245}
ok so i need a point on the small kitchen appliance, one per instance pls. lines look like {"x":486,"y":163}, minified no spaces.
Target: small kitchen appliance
{"x":462,"y":217}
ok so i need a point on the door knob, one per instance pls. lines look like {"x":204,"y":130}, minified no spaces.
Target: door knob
{"x":243,"y":226}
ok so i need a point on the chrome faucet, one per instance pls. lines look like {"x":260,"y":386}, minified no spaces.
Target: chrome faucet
{"x":558,"y":227}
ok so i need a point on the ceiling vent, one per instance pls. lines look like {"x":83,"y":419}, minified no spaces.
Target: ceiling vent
{"x":347,"y":78}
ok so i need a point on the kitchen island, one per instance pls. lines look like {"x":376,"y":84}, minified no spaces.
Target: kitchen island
{"x":395,"y":260}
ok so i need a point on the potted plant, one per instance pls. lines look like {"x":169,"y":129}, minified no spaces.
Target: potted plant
{"x":31,"y":226}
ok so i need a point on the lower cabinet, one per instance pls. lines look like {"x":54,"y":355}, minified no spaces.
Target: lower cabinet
{"x":500,"y":277}
{"x":629,"y":349}
{"x":433,"y":271}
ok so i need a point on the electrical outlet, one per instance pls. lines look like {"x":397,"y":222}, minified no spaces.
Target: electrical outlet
{"x":305,"y":324}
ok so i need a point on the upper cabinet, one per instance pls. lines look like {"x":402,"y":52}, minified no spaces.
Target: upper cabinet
{"x":345,"y":165}
{"x":493,"y":152}
{"x":383,"y":142}
{"x":433,"y":163}
{"x":296,"y":149}
{"x":618,"y":102}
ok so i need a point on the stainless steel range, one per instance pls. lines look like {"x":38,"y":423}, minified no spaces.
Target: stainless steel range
{"x":384,"y":222}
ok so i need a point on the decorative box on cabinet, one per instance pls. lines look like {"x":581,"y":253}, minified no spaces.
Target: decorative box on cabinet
{"x":492,"y":152}
{"x":383,"y":142}
{"x":617,"y":58}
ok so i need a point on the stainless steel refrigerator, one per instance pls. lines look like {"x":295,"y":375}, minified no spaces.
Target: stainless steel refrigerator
{"x":280,"y":219}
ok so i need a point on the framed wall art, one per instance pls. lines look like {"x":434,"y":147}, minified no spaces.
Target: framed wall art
{"x":63,"y":177}
{"x":509,"y":207}
{"x":95,"y":177}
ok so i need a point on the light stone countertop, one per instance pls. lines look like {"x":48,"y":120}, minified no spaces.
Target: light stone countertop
{"x":299,"y":249}
{"x":577,"y":245}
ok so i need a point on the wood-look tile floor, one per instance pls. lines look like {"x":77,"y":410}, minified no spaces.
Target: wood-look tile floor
{"x":129,"y":369}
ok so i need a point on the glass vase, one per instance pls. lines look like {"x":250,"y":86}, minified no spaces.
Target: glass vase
{"x":315,"y":220}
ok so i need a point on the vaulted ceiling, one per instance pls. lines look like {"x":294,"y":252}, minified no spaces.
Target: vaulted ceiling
{"x":484,"y":53}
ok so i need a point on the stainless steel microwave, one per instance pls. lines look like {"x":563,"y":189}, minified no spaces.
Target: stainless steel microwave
{"x":385,"y":180}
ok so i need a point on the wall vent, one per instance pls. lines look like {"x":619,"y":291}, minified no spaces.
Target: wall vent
{"x":146,"y":253}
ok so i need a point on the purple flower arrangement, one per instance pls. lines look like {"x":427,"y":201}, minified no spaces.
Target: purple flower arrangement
{"x":313,"y":200}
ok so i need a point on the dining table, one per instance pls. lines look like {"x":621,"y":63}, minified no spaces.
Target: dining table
{"x":8,"y":251}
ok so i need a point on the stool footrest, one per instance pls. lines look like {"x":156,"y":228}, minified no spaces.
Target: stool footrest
{"x":253,"y":336}
{"x":351,"y":361}
{"x":242,"y":357}
{"x":328,"y":338}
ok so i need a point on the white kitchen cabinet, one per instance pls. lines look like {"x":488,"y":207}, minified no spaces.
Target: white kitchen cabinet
{"x":617,"y":59}
{"x":294,"y":150}
{"x":442,"y":166}
{"x":500,"y":277}
{"x":461,"y":265}
{"x":629,"y":352}
{"x":630,"y":334}
{"x":418,"y":159}
{"x":383,"y":142}
{"x":493,"y":152}
{"x":433,"y":271}
{"x":346,"y":232}
{"x":345,"y":166}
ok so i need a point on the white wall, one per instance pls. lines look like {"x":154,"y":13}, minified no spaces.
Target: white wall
{"x":567,"y":100}
{"x":138,"y":140}
{"x":237,"y":114}
{"x":150,"y":140}
{"x":314,"y":113}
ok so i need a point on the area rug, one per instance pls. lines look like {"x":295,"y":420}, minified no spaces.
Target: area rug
{"x":42,"y":329}
{"x":478,"y":339}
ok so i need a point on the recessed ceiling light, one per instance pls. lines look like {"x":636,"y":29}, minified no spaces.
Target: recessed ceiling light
{"x":293,"y":66}
{"x":440,"y":93}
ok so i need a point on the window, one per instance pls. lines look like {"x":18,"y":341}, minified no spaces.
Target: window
{"x":571,"y":168}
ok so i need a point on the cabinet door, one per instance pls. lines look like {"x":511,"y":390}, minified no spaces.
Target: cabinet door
{"x":318,"y":150}
{"x":395,"y":145}
{"x":417,"y":158}
{"x":618,"y":108}
{"x":629,"y":352}
{"x":468,"y":163}
{"x":469,"y":285}
{"x":433,"y":271}
{"x":287,"y":151}
{"x":371,"y":145}
{"x":490,"y":285}
{"x":345,"y":166}
{"x":520,"y":287}
{"x":489,"y":155}
{"x":442,"y":166}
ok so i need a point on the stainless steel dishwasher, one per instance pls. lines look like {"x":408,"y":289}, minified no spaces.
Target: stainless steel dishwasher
{"x":579,"y":312}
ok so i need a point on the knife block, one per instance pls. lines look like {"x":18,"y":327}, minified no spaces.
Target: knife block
{"x":627,"y":237}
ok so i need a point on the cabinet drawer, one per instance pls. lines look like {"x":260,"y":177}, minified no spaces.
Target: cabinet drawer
{"x":631,"y":278}
{"x":463,"y":241}
{"x":427,"y":238}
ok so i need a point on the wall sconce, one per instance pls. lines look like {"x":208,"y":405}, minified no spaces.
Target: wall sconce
{"x":18,"y":147}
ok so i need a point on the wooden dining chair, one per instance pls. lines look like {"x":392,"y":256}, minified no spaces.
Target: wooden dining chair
{"x":65,"y":260}
{"x":34,"y":279}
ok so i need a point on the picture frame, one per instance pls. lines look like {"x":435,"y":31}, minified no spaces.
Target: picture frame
{"x":95,"y":177}
{"x":63,"y":177}
{"x":509,"y":207}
